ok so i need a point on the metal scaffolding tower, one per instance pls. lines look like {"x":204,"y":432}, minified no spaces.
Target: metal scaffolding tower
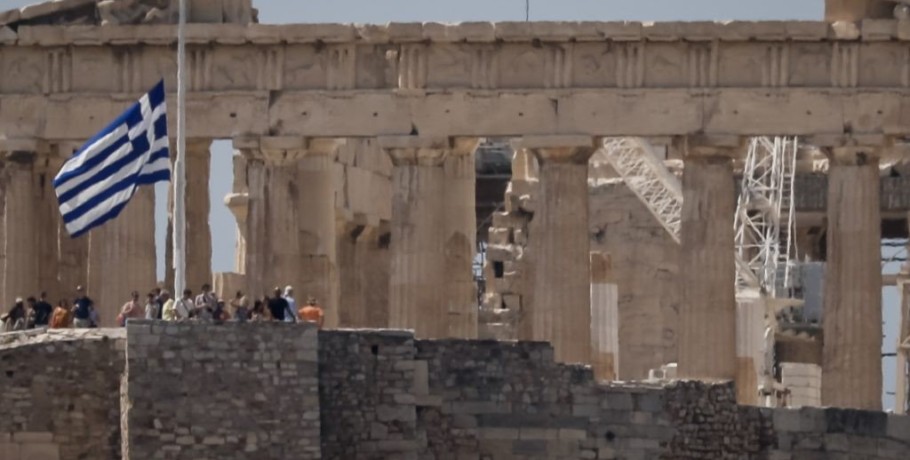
{"x":765,"y":218}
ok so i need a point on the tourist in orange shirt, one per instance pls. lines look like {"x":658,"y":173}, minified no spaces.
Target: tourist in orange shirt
{"x":62,"y":317}
{"x":312,"y":313}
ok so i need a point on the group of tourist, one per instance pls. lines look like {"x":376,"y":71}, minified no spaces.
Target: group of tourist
{"x":34,"y":313}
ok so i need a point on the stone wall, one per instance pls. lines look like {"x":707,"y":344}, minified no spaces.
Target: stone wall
{"x":256,"y":391}
{"x":224,"y":391}
{"x":59,"y":395}
{"x":366,"y":394}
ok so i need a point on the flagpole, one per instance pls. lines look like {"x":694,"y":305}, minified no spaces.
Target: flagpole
{"x":179,"y":220}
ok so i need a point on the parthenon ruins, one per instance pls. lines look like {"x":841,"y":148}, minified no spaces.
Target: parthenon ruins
{"x":358,"y":153}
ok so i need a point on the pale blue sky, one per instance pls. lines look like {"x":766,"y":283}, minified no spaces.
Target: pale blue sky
{"x":381,"y":11}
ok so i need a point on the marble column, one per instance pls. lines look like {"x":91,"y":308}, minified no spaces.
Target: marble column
{"x":707,"y":317}
{"x":238,"y":202}
{"x":352,"y":313}
{"x":282,"y":262}
{"x":72,"y":252}
{"x":122,"y":256}
{"x":363,"y":256}
{"x":20,"y":220}
{"x":47,"y":222}
{"x":257,"y":248}
{"x":561,"y":308}
{"x":851,"y":357}
{"x":198,"y":208}
{"x":317,"y":228}
{"x":604,"y":318}
{"x":417,"y":280}
{"x":459,"y":203}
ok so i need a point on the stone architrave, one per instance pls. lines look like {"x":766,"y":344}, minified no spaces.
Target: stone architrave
{"x":20,"y":220}
{"x":459,"y":202}
{"x":707,"y":317}
{"x":417,"y":280}
{"x":560,"y":310}
{"x":851,"y":356}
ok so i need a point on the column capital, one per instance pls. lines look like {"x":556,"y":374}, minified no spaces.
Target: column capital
{"x":706,"y":146}
{"x":415,"y":150}
{"x":558,"y":149}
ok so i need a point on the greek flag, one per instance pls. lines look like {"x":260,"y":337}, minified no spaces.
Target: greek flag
{"x":100,"y":179}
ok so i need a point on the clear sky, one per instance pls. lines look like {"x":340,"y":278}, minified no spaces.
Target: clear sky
{"x":381,"y":11}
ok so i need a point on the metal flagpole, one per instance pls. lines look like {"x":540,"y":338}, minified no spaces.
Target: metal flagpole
{"x":179,"y":220}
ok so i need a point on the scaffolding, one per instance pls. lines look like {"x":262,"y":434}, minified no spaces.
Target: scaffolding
{"x":765,"y":218}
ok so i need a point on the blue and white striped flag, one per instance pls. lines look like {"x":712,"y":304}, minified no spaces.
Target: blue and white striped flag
{"x":98,"y":181}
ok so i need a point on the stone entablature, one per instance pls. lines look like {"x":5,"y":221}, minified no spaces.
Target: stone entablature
{"x":739,"y":78}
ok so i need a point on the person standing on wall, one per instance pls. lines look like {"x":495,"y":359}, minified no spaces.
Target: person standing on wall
{"x":312,"y":312}
{"x":83,"y":307}
{"x":43,"y":311}
{"x":278,"y":306}
{"x":291,"y":315}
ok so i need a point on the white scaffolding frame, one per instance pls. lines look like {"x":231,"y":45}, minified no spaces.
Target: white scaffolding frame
{"x":645,"y":174}
{"x":765,"y":217}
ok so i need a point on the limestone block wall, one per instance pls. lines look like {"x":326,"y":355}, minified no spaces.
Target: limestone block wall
{"x":59,"y":395}
{"x":366,"y":395}
{"x":228,"y":391}
{"x":256,"y":391}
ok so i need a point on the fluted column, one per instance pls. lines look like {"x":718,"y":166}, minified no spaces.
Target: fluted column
{"x":255,"y":257}
{"x":20,"y":219}
{"x":317,"y":227}
{"x":363,"y":256}
{"x":282,"y":264}
{"x":707,"y":317}
{"x":561,"y":309}
{"x":238,"y":202}
{"x":417,"y":280}
{"x":604,"y":318}
{"x":459,"y":203}
{"x":198,"y":207}
{"x":851,"y":357}
{"x":122,"y":256}
{"x":47,"y":219}
{"x":72,"y":252}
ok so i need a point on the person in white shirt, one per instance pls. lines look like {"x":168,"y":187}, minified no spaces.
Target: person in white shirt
{"x":291,"y":315}
{"x":184,"y":307}
{"x":205,"y":302}
{"x":151,"y":306}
